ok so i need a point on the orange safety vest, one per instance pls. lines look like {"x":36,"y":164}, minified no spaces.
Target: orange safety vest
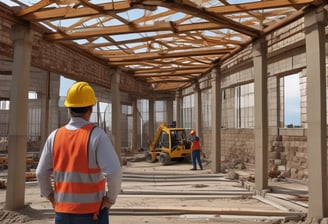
{"x":195,"y":144}
{"x":78,"y":188}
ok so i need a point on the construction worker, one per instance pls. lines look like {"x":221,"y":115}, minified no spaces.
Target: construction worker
{"x":195,"y":150}
{"x":81,"y":159}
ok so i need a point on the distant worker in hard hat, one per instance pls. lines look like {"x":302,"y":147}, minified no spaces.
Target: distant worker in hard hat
{"x":81,"y":159}
{"x":195,"y":150}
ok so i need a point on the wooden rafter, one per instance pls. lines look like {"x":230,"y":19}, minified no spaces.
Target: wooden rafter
{"x":246,"y":7}
{"x":170,"y":43}
{"x":33,"y":13}
{"x":160,"y":55}
{"x":128,"y":29}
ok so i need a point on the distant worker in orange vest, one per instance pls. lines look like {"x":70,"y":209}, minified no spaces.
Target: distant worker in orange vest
{"x":195,"y":150}
{"x":81,"y":159}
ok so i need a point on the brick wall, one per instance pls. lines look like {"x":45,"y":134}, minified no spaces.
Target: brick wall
{"x":236,"y":144}
{"x":287,"y":151}
{"x":66,"y":60}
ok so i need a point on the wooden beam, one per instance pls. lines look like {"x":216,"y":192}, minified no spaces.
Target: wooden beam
{"x":178,"y":6}
{"x":128,"y":29}
{"x":246,"y":7}
{"x":32,"y":13}
{"x":146,"y":72}
{"x":168,"y":80}
{"x":161,"y":55}
{"x":164,"y":73}
{"x":216,"y":211}
{"x":41,"y":4}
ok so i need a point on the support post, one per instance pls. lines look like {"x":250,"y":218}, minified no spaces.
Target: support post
{"x":216,"y":120}
{"x":135,"y":125}
{"x":116,"y":113}
{"x":178,"y":100}
{"x":151,"y":120}
{"x":15,"y":196}
{"x":316,"y":110}
{"x":261,"y":114}
{"x":169,"y":106}
{"x":198,"y":110}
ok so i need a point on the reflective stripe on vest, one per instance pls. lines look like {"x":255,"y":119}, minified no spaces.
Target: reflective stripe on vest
{"x":78,"y":189}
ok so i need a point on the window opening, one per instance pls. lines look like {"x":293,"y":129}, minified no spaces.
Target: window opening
{"x":244,"y":106}
{"x":291,"y":100}
{"x":206,"y":109}
{"x":188,"y":107}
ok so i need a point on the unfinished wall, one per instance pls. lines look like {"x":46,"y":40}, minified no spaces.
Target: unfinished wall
{"x":289,"y":153}
{"x":287,"y":147}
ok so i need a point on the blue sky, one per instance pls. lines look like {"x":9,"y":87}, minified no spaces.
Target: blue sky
{"x":292,"y":100}
{"x":64,"y":85}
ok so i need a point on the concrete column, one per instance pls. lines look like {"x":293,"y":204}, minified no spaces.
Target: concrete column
{"x":273,"y":105}
{"x":169,"y":106}
{"x":316,"y":109}
{"x":135,"y":125}
{"x":151,"y":120}
{"x":198,"y":110}
{"x":45,"y":111}
{"x":116,"y":113}
{"x":53,"y":102}
{"x":15,"y":196}
{"x":178,"y":99}
{"x":261,"y":114}
{"x":216,"y":120}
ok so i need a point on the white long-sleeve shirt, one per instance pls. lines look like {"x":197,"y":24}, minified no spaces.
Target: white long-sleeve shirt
{"x":101,"y":154}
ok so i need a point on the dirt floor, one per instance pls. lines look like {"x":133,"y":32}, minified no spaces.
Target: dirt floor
{"x":157,"y":194}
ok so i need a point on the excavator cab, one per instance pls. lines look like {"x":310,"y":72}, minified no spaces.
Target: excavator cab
{"x":169,"y":144}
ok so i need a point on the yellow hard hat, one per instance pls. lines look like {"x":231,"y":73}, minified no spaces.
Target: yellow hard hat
{"x":80,"y":94}
{"x":192,"y":132}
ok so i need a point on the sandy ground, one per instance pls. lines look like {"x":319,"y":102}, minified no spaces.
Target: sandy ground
{"x":168,"y":194}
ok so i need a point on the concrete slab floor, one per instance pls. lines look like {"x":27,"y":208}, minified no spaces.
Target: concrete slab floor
{"x":152,"y":193}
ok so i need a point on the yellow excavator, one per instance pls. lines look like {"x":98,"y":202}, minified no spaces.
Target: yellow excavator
{"x":169,"y":144}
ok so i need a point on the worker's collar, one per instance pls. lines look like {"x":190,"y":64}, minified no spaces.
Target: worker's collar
{"x":76,"y":122}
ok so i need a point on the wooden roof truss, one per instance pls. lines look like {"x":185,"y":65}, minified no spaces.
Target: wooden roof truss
{"x":167,"y":43}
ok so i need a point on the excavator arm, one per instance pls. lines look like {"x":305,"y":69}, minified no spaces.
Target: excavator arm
{"x":152,"y":145}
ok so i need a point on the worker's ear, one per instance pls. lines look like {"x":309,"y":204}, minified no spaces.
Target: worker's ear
{"x":91,"y":109}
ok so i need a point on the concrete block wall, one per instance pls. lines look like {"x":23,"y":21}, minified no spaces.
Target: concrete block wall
{"x":228,"y":108}
{"x":289,"y":153}
{"x":206,"y":142}
{"x":238,"y":144}
{"x":6,"y":49}
{"x":286,"y":36}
